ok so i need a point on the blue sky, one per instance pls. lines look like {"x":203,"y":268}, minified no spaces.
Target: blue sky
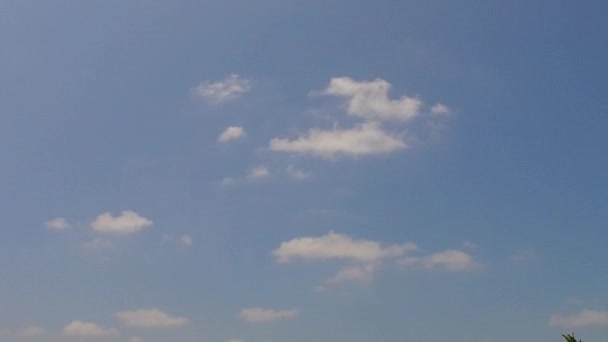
{"x":324,"y":170}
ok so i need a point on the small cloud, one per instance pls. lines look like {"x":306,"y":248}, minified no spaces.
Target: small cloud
{"x":232,"y":133}
{"x":84,"y":329}
{"x":186,"y":240}
{"x":296,"y":173}
{"x":58,"y":224}
{"x":358,"y":273}
{"x":451,"y":260}
{"x":150,"y":318}
{"x":369,"y":99}
{"x":227,"y":181}
{"x":259,"y":315}
{"x":230,"y":88}
{"x":136,"y":339}
{"x":32,"y":331}
{"x":440,"y":109}
{"x":258,"y":172}
{"x":127,"y":223}
{"x":365,"y":139}
{"x":337,"y":246}
{"x":523,"y":256}
{"x":584,"y":318}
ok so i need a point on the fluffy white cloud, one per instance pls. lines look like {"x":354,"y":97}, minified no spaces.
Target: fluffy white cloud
{"x":370,"y":99}
{"x":297,"y":174}
{"x":364,"y":139}
{"x":337,"y":246}
{"x":232,"y":133}
{"x":440,"y":109}
{"x":581,"y":319}
{"x":230,"y":88}
{"x":258,"y":172}
{"x":150,"y":318}
{"x":84,"y":329}
{"x":127,"y":223}
{"x":450,"y":260}
{"x":186,"y":240}
{"x":58,"y":224}
{"x":31,"y":331}
{"x":259,"y":315}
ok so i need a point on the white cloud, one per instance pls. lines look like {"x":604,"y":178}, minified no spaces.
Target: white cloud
{"x":296,"y":173}
{"x":232,"y":133}
{"x":365,"y":139}
{"x":337,"y":246}
{"x":370,"y":99}
{"x":440,"y":109}
{"x":136,"y":339}
{"x":359,"y":273}
{"x":581,"y":319}
{"x":186,"y":240}
{"x":450,"y":260}
{"x":58,"y":224}
{"x":150,"y":318}
{"x":127,"y":223}
{"x":84,"y":329}
{"x":259,"y":315}
{"x":523,"y":256}
{"x":258,"y":172}
{"x":230,"y":88}
{"x":32,"y":331}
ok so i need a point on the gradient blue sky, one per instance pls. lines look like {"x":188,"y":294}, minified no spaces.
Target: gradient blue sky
{"x":123,"y":215}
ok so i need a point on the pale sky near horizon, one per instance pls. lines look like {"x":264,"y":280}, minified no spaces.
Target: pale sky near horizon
{"x":266,"y":171}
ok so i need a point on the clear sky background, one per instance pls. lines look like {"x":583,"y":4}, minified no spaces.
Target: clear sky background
{"x":338,"y":170}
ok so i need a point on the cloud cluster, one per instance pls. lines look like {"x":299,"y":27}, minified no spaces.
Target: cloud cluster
{"x":370,"y":102}
{"x":364,"y":257}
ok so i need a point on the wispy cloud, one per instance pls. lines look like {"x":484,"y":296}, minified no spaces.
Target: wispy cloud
{"x":86,"y":329}
{"x":523,"y":256}
{"x":258,"y":172}
{"x":451,"y":260}
{"x":586,"y":317}
{"x":228,"y":89}
{"x":58,"y":224}
{"x":261,"y":315}
{"x":150,"y":318}
{"x":296,"y":173}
